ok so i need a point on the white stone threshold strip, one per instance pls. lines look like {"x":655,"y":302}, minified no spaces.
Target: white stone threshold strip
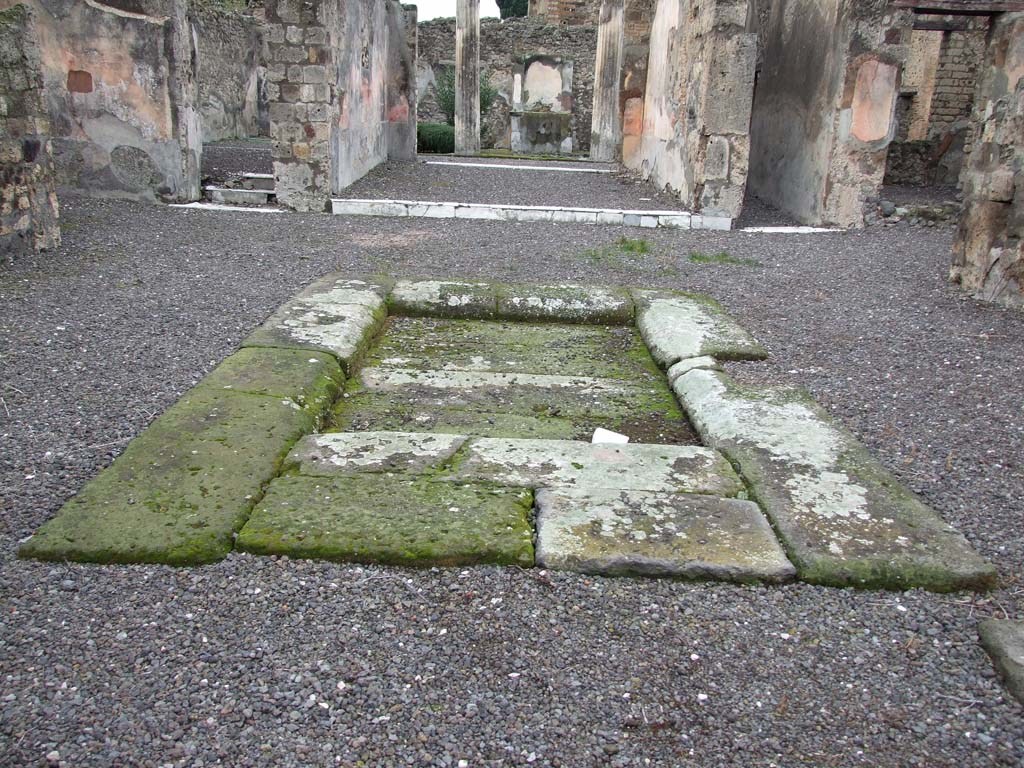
{"x":794,"y":230}
{"x":528,"y":213}
{"x":220,"y":207}
{"x":513,"y":167}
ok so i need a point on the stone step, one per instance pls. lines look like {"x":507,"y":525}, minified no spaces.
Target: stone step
{"x":185,"y":485}
{"x":263,"y":181}
{"x":521,"y":463}
{"x":615,"y":532}
{"x":845,"y":521}
{"x":577,"y":464}
{"x":239,"y":196}
{"x":394,"y":520}
{"x":433,"y":209}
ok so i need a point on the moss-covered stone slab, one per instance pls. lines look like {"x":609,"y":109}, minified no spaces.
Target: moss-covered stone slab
{"x":845,"y":520}
{"x":401,"y":412}
{"x":311,"y":379}
{"x":565,"y":304}
{"x":182,"y":488}
{"x":443,"y":298}
{"x":428,"y":333}
{"x":676,"y":326}
{"x":569,"y":463}
{"x":523,"y":394}
{"x":353,"y":453}
{"x":614,"y":532}
{"x":1004,"y":642}
{"x":333,"y":315}
{"x":607,"y":352}
{"x":382,"y":519}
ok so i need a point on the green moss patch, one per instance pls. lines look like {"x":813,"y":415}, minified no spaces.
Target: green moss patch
{"x":182,"y":488}
{"x":373,"y":519}
{"x":615,"y":352}
{"x":311,"y":379}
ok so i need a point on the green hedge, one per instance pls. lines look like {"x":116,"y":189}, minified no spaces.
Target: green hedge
{"x":438,"y":138}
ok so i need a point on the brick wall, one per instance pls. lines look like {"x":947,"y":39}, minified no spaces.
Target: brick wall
{"x":28,"y":203}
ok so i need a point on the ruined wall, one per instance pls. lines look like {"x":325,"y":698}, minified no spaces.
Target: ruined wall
{"x":696,"y":112}
{"x":232,"y":88}
{"x":988,"y":253}
{"x":824,"y":108}
{"x":121,"y":96}
{"x":328,"y":83}
{"x":639,"y":17}
{"x":568,"y":13}
{"x":934,"y":129}
{"x":504,"y":46}
{"x":403,"y":43}
{"x":28,"y":202}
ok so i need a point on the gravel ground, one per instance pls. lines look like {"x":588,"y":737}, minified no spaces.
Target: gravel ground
{"x":419,"y":181}
{"x":224,"y":160}
{"x":275,"y":662}
{"x":906,"y":195}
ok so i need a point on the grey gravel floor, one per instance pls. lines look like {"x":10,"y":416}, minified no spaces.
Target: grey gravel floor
{"x":278,"y":663}
{"x":504,"y":186}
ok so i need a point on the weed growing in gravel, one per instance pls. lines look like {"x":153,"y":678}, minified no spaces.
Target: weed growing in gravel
{"x":633,"y":246}
{"x":627,"y":254}
{"x":722,"y":258}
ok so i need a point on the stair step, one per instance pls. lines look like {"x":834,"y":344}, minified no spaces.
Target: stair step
{"x":239,"y":196}
{"x":258,"y":181}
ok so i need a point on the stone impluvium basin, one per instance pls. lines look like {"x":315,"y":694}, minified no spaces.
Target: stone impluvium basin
{"x":448,"y":423}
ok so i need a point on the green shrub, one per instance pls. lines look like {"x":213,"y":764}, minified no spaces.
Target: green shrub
{"x":444,"y":92}
{"x":438,"y":138}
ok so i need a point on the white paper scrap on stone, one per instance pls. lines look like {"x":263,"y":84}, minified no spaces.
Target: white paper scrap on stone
{"x":602,"y":435}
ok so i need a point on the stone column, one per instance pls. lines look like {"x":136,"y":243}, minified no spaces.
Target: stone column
{"x":606,"y":128}
{"x":467,"y":77}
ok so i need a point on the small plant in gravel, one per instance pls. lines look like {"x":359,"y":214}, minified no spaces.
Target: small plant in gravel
{"x":723,"y":257}
{"x":633,"y":246}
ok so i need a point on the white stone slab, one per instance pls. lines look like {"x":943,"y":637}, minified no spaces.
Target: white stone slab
{"x":572,"y":463}
{"x":395,"y":379}
{"x":844,"y":519}
{"x":614,"y":532}
{"x":676,"y":327}
{"x":704,"y":361}
{"x":334,"y":315}
{"x":526,"y":213}
{"x":350,"y":453}
{"x":510,"y":167}
{"x":199,"y":206}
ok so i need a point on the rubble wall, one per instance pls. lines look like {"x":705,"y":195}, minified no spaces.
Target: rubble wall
{"x":121,"y":95}
{"x":232,"y":93}
{"x":28,"y":202}
{"x":988,"y":252}
{"x":695,"y":137}
{"x":328,"y":86}
{"x":825,"y":105}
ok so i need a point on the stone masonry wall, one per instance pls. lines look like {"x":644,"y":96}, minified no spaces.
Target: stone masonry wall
{"x":328,"y":86}
{"x":696,"y":113}
{"x":504,"y":45}
{"x":988,"y":252}
{"x":121,"y":95}
{"x":825,"y":104}
{"x":232,"y":87}
{"x":28,"y":202}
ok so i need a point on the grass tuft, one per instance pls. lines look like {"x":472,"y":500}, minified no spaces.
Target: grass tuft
{"x":723,"y":257}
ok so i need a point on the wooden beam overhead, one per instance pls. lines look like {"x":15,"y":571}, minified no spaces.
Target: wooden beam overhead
{"x":953,"y":25}
{"x":962,"y":7}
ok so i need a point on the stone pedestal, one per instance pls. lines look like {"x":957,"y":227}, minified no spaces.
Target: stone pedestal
{"x":606,"y":130}
{"x":467,"y":77}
